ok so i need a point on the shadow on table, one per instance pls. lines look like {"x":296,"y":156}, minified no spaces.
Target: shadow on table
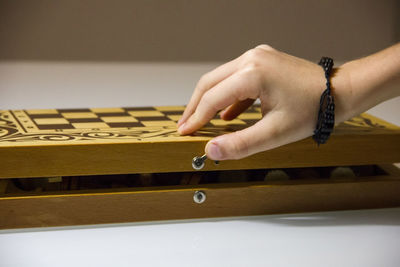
{"x":337,"y":218}
{"x":382,"y":217}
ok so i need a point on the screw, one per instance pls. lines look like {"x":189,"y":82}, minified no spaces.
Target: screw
{"x":199,"y":197}
{"x":198,"y":162}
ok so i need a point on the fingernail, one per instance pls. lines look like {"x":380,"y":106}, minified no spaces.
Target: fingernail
{"x":181,"y":128}
{"x":214,"y":151}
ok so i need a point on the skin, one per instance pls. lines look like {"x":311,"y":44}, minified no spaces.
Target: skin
{"x":289,"y":89}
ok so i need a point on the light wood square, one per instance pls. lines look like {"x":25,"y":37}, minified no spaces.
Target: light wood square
{"x":218,"y":122}
{"x":145,"y":113}
{"x":250,"y":116}
{"x":42,"y":111}
{"x":107,"y":110}
{"x":89,"y":125}
{"x":171,"y":108}
{"x":119,"y":119}
{"x":47,"y":121}
{"x":79,"y":115}
{"x":174,"y":117}
{"x":158,"y":123}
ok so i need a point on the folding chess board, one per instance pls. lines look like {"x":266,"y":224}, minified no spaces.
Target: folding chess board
{"x":116,"y":118}
{"x":112,"y":165}
{"x":145,"y":139}
{"x":100,"y":123}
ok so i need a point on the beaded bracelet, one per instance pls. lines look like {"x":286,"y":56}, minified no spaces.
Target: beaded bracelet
{"x":326,"y":113}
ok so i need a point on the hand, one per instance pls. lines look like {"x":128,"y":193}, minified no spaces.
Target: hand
{"x":288,"y":87}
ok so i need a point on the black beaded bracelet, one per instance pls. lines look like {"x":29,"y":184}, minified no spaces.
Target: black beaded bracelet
{"x":326,"y":113}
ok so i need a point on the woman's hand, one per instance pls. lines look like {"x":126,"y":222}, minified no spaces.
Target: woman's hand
{"x":289,"y":89}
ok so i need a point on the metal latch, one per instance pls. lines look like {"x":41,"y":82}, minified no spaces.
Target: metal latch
{"x":198,"y":162}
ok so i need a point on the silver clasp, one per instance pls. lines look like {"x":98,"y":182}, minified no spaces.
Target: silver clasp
{"x":198,"y":162}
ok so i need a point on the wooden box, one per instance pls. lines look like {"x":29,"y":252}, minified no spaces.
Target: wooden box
{"x":112,"y":165}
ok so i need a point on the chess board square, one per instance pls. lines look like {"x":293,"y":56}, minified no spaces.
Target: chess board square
{"x":171,"y":108}
{"x":37,"y":116}
{"x":67,"y":110}
{"x":146,"y":113}
{"x":78,"y":115}
{"x":250,"y":116}
{"x":158,"y":123}
{"x":44,"y":121}
{"x":124,"y":124}
{"x":174,"y":117}
{"x":85,"y":120}
{"x":173,"y":112}
{"x":90,"y":125}
{"x":119,"y":119}
{"x":160,"y":118}
{"x":116,"y":114}
{"x":219,"y":122}
{"x":42,"y":111}
{"x":107,"y":110}
{"x":55,"y":126}
{"x":138,"y":108}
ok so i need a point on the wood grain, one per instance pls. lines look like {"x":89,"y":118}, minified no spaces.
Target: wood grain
{"x":69,"y":160}
{"x":26,"y":150}
{"x":172,"y":203}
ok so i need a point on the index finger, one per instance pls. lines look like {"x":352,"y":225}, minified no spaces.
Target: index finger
{"x":206,"y":82}
{"x":229,"y":91}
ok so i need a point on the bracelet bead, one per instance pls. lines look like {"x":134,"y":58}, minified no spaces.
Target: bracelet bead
{"x":326,"y":112}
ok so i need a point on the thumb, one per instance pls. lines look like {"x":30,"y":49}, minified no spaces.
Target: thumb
{"x":259,"y":137}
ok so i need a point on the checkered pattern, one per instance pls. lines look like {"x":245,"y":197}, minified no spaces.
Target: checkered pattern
{"x":129,"y":117}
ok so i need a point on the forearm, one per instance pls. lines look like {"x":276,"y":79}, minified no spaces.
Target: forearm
{"x":366,"y":82}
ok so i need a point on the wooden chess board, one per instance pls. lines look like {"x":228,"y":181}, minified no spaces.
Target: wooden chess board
{"x":112,"y":165}
{"x":144,"y":139}
{"x":134,"y":123}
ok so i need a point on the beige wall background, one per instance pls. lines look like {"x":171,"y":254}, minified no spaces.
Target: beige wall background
{"x":178,"y":30}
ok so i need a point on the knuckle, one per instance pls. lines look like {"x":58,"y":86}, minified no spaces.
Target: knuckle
{"x":204,"y":77}
{"x":240,"y":146}
{"x":238,"y":94}
{"x":250,"y":70}
{"x":253,"y":54}
{"x":257,"y":54}
{"x":207,"y":102}
{"x":253,"y":75}
{"x":250,"y":66}
{"x":255,"y":57}
{"x":203,"y":82}
{"x":265,"y":47}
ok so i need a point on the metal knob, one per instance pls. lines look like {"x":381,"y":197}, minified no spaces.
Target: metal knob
{"x":199,"y":197}
{"x":198,"y":162}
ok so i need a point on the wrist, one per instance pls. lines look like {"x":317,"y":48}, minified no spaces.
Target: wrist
{"x":363,"y":83}
{"x":342,"y":91}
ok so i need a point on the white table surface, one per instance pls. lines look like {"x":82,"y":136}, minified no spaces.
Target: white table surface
{"x":343,"y":238}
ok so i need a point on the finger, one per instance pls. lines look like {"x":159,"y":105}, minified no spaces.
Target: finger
{"x":231,"y":90}
{"x":208,"y":81}
{"x":265,"y":134}
{"x":236,"y":109}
